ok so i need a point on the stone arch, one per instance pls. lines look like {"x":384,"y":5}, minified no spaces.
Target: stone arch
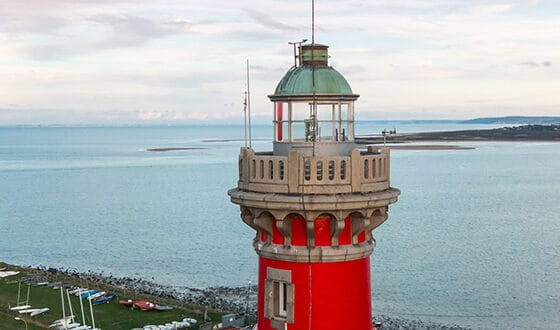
{"x":377,"y":218}
{"x":248,"y":217}
{"x":358,"y":224}
{"x":264,"y":222}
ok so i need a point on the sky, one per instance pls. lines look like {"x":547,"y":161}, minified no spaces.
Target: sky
{"x":111,"y":62}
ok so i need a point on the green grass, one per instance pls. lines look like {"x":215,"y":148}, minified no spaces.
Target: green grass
{"x":107,"y":316}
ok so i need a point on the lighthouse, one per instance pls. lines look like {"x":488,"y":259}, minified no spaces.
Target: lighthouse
{"x":313,"y":202}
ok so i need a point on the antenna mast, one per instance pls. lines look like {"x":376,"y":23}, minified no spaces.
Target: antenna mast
{"x":312,"y":22}
{"x":249,"y":103}
{"x":245,"y":117}
{"x":314,"y":106}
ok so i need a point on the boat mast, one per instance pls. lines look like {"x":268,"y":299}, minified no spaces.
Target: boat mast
{"x":92,"y":319}
{"x":70,"y":305}
{"x":63,"y":310}
{"x":27,"y":299}
{"x":82,"y":308}
{"x":18,"y":291}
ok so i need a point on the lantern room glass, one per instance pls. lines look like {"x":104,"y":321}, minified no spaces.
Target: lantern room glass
{"x":319,"y":121}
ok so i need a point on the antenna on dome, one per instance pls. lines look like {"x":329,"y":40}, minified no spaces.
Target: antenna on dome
{"x":248,"y":104}
{"x":312,"y":22}
{"x":245,"y":116}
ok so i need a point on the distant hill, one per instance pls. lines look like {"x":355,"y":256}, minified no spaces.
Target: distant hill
{"x":548,"y":132}
{"x":526,"y":120}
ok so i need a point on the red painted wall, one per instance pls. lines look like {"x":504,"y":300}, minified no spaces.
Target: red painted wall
{"x":340,"y":295}
{"x":277,"y":237}
{"x":322,"y":230}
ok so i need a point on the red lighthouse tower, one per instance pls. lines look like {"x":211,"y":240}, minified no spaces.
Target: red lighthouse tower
{"x":313,"y":202}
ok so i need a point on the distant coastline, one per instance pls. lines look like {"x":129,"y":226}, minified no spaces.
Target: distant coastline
{"x":428,"y":147}
{"x":550,"y":133}
{"x":506,"y":120}
{"x":173,"y":149}
{"x":515,"y":120}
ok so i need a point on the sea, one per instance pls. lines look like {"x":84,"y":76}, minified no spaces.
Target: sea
{"x":473,"y":241}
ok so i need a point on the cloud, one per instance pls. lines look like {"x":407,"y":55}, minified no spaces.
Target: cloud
{"x":20,"y":18}
{"x":132,"y":30}
{"x":492,"y":9}
{"x":150,"y":115}
{"x":268,"y":21}
{"x":536,"y":64}
{"x":185,"y":60}
{"x":107,"y":33}
{"x":179,"y":116}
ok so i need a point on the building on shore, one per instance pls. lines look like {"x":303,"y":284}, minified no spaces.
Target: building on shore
{"x":313,"y":202}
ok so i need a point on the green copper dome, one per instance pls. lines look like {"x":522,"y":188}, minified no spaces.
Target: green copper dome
{"x":299,"y":81}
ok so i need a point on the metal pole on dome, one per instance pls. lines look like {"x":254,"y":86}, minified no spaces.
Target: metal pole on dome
{"x":314,"y":106}
{"x":245,"y":117}
{"x":312,"y":22}
{"x":249,"y":103}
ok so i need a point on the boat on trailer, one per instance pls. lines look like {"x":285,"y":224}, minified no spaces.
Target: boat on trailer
{"x":104,"y":299}
{"x":89,"y":293}
{"x":96,"y":295}
{"x":145,"y":305}
{"x":162,"y":308}
{"x":128,"y":303}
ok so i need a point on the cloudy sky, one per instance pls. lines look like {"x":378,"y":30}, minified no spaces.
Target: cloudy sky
{"x":183,"y":61}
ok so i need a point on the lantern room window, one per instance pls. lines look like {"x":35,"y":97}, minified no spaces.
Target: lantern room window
{"x":312,"y":121}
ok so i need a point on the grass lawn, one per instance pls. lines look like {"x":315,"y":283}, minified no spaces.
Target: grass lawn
{"x":110,"y":315}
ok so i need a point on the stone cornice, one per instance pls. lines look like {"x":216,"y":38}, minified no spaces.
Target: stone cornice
{"x":314,"y":254}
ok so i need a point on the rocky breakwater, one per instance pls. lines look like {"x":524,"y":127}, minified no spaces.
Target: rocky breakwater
{"x":240,"y":300}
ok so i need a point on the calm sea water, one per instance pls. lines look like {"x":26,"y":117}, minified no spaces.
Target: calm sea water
{"x":474,"y":239}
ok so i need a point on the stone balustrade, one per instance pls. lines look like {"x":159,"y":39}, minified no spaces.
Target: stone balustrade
{"x":361,"y":172}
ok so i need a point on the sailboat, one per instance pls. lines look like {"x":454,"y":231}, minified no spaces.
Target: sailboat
{"x":21,"y":307}
{"x":92,"y":318}
{"x":39,"y":311}
{"x":104,"y":299}
{"x":96,"y":295}
{"x":88,"y":293}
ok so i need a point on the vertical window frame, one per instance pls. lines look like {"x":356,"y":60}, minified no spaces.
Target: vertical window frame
{"x":279,"y":297}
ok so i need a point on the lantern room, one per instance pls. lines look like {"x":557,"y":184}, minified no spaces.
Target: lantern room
{"x":313,"y":107}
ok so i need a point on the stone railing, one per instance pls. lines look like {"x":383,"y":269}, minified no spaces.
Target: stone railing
{"x":295,"y":174}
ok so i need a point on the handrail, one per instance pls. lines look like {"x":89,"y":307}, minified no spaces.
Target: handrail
{"x":359,"y":172}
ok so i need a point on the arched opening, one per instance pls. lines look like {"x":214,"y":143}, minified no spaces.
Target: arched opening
{"x":277,"y":237}
{"x":323,"y":230}
{"x":345,"y":237}
{"x":299,"y":230}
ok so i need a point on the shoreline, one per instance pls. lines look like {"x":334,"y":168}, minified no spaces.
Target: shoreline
{"x":240,"y":300}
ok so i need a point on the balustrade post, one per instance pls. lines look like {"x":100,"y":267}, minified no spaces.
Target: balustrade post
{"x":246,"y":154}
{"x":357,"y":169}
{"x":387,"y":153}
{"x":293,"y":173}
